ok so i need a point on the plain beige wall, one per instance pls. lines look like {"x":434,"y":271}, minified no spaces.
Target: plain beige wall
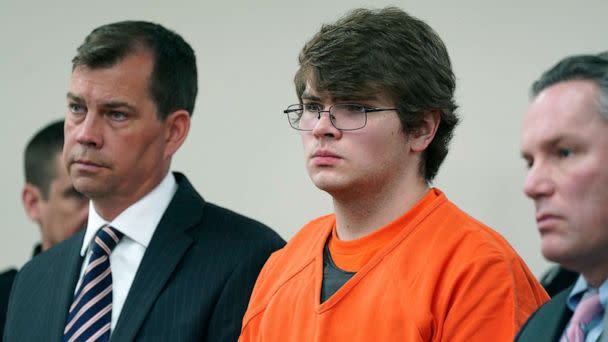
{"x":241,"y":152}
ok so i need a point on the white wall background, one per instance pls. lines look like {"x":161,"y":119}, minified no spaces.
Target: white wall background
{"x":241,"y":152}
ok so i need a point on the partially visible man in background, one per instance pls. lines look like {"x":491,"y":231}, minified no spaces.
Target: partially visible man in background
{"x":48,"y":196}
{"x":49,"y":199}
{"x":565,"y":144}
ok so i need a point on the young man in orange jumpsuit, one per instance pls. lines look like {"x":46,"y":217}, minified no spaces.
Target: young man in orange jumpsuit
{"x":396,"y":261}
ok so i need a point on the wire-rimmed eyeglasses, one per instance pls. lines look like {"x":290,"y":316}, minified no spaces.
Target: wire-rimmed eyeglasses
{"x":343,"y":116}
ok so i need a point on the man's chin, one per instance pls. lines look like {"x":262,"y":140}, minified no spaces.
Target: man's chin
{"x":90,"y":189}
{"x":335,"y":189}
{"x":557,"y":253}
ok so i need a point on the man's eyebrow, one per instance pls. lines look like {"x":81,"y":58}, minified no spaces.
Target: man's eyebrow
{"x":553,"y":141}
{"x":308,"y":96}
{"x":546,"y":144}
{"x":311,"y":97}
{"x":355,"y":98}
{"x":75,"y":98}
{"x":109,"y":104}
{"x":117,"y":104}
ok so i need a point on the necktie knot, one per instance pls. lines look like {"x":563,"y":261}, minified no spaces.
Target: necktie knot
{"x":105,"y":240}
{"x":588,"y":308}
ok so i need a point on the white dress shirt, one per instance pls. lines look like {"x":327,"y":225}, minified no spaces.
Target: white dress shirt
{"x":138,"y":223}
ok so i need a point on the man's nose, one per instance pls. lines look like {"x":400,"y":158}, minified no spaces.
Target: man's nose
{"x":324,"y":125}
{"x":90,"y":131}
{"x":539,"y":181}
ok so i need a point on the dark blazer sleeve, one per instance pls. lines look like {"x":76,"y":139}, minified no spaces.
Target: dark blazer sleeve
{"x":604,"y":336}
{"x":226,"y":319}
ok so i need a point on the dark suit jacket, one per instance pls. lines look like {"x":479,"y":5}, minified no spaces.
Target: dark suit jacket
{"x":193,"y":283}
{"x":548,"y":322}
{"x":6,"y":282}
{"x":557,"y":279}
{"x":604,"y":337}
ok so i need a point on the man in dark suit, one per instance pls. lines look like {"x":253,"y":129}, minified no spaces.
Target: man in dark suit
{"x":565,"y":139}
{"x":48,"y":197}
{"x":156,"y":262}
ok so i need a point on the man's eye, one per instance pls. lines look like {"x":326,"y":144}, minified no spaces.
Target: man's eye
{"x":354,"y":108}
{"x":312,"y":107}
{"x":564,"y":152}
{"x":76,"y":108}
{"x":117,"y":116}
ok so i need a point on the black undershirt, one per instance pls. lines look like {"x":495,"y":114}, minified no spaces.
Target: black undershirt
{"x":333,"y":277}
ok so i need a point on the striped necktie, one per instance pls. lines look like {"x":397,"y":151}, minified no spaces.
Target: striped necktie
{"x":90,"y":315}
{"x":588,"y":308}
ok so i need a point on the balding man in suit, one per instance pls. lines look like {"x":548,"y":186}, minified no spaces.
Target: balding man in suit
{"x":565,"y":144}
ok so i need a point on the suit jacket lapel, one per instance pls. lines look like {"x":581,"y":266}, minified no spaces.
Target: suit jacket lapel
{"x":558,"y":322}
{"x":167,"y":247}
{"x":64,"y":284}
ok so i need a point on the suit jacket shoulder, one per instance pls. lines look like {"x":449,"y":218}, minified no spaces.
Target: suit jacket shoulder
{"x":548,"y":322}
{"x":202,"y":263}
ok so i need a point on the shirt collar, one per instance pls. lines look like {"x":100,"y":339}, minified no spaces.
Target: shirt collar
{"x":138,"y":221}
{"x":580,"y":287}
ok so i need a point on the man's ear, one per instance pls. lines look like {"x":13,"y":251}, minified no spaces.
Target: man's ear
{"x":422,"y":137}
{"x":31,"y":197}
{"x":177,"y":125}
